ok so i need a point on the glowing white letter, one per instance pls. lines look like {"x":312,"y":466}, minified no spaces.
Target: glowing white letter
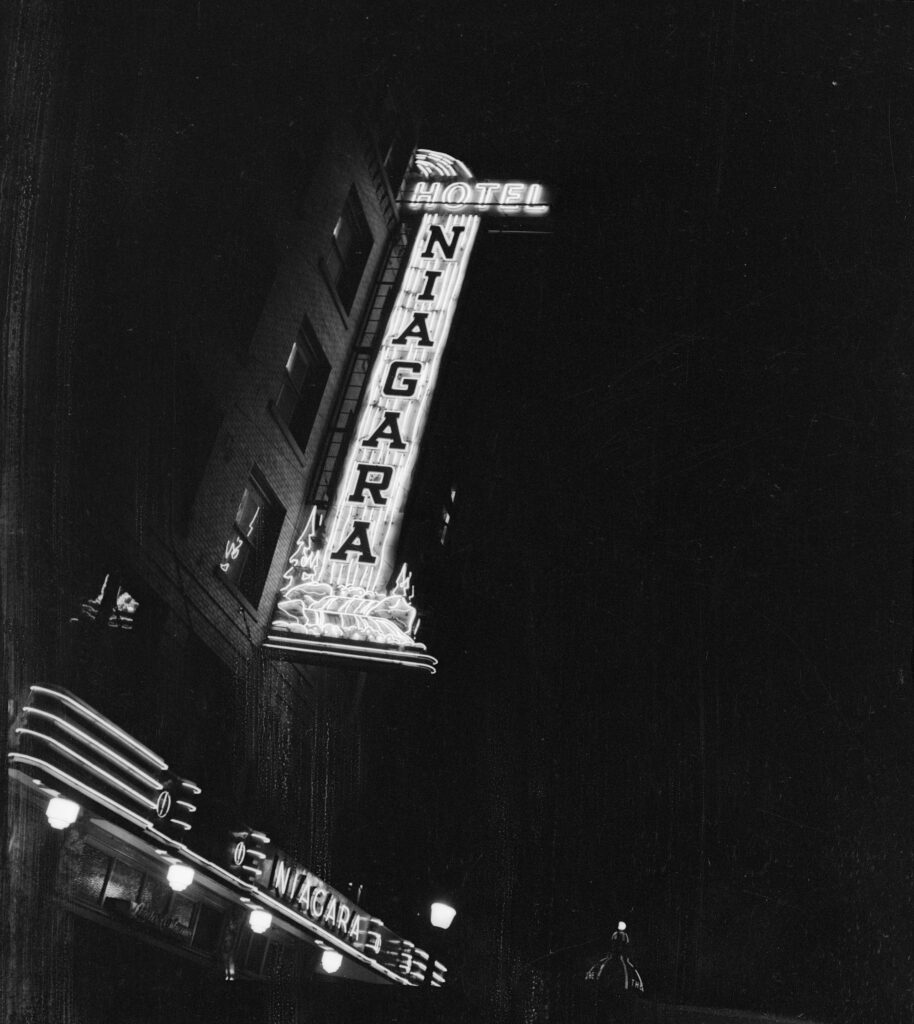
{"x":455,"y":195}
{"x":486,"y":189}
{"x":422,"y":193}
{"x":512,"y":194}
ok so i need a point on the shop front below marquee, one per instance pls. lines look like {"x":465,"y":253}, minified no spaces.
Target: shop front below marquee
{"x":115,"y":832}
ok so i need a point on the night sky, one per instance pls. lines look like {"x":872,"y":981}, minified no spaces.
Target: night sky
{"x":675,"y":631}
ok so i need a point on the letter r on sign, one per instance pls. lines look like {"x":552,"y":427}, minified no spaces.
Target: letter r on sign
{"x":373,"y":479}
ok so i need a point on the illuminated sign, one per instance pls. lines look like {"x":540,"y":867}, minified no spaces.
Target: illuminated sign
{"x":504,"y":198}
{"x":80,"y":750}
{"x":346,"y":594}
{"x":313,"y":898}
{"x":440,"y":184}
{"x":67,"y":746}
{"x":339,"y":917}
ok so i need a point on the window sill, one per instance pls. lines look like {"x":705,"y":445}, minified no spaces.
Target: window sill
{"x":293,"y":444}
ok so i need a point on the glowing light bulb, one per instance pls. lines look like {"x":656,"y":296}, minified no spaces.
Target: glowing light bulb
{"x":180,"y":876}
{"x":61,"y":813}
{"x":331,"y":961}
{"x":260,"y":920}
{"x":442,"y":915}
{"x":621,"y":926}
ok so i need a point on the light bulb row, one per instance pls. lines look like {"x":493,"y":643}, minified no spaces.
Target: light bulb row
{"x":62,"y":812}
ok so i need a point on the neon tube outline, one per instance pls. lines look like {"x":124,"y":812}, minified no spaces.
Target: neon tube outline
{"x":112,"y":755}
{"x":225,"y":877}
{"x":103,"y":723}
{"x":84,"y":762}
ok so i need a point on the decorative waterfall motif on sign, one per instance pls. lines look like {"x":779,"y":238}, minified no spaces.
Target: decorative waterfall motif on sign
{"x":312,"y":607}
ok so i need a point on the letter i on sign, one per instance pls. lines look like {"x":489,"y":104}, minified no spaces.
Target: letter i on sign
{"x":428,"y":293}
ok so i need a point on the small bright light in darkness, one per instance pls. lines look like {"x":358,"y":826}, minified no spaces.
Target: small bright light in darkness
{"x":622,"y":926}
{"x":260,"y":920}
{"x":331,"y":961}
{"x":180,"y":876}
{"x":61,"y":812}
{"x":442,"y":915}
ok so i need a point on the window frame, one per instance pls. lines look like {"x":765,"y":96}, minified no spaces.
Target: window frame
{"x":297,"y":405}
{"x":260,"y":555}
{"x":346,"y":265}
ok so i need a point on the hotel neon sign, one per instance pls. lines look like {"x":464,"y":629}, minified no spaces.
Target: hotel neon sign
{"x":505,"y":198}
{"x":346,"y":594}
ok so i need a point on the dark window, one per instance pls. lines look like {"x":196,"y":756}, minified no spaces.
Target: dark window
{"x":249,"y":548}
{"x":92,"y":875}
{"x":182,"y":910}
{"x":124,"y":882}
{"x":156,"y":893}
{"x":255,"y":953}
{"x":447,"y":510}
{"x":209,"y":927}
{"x":299,"y":399}
{"x":349,"y":250}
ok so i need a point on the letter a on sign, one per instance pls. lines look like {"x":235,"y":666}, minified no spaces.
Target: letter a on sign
{"x":358,"y":542}
{"x":387,"y":430}
{"x":417,"y":331}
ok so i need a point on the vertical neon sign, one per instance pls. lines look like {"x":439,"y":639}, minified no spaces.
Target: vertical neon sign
{"x":346,"y":595}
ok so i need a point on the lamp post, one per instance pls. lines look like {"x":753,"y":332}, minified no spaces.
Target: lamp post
{"x":441,"y":916}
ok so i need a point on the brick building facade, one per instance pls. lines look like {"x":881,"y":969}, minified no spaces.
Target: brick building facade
{"x":198,"y":279}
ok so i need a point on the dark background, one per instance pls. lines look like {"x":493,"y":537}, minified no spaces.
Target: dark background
{"x":675,"y":637}
{"x":673,"y":612}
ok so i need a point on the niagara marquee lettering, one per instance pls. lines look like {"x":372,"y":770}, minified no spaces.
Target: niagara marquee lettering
{"x":402,"y":381}
{"x":306,"y":893}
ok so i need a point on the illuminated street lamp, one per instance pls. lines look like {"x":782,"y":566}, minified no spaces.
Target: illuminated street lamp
{"x":260,"y":920}
{"x":61,"y":812}
{"x":331,"y":961}
{"x":442,"y":915}
{"x":180,"y":876}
